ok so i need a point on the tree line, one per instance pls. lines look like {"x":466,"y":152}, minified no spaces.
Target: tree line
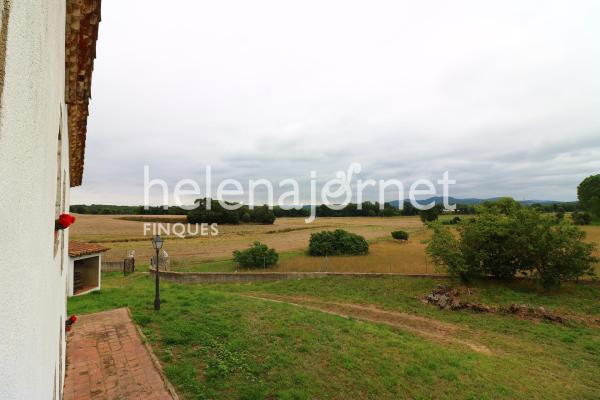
{"x":109,"y":209}
{"x":368,"y":209}
{"x":583,"y":212}
{"x":223,"y":215}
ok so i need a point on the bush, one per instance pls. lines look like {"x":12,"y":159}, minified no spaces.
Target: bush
{"x":335,"y":243}
{"x":444,"y":250}
{"x":246,"y":217}
{"x":216,"y":215}
{"x":262,"y":215}
{"x":453,"y":221}
{"x":257,"y":256}
{"x":504,"y":205}
{"x":430,"y":214}
{"x":581,"y":218}
{"x":400,"y":235}
{"x":505,"y":241}
{"x":569,"y":257}
{"x":486,"y":245}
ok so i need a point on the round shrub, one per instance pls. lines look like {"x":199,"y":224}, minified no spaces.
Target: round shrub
{"x":400,"y":235}
{"x":262,"y":215}
{"x":337,"y":243}
{"x":257,"y":256}
{"x":581,"y":218}
{"x":246,"y":218}
{"x":454,"y":221}
{"x":430,"y":215}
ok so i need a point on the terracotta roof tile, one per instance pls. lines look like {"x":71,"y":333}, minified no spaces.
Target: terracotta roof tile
{"x":78,"y":249}
{"x":83,"y":18}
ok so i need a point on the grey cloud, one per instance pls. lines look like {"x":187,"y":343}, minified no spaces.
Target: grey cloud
{"x":502,"y":95}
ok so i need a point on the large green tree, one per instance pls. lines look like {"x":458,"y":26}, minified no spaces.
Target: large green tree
{"x":588,"y":193}
{"x":507,"y":240}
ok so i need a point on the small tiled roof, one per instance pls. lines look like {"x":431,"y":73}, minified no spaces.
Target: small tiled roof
{"x":78,"y":249}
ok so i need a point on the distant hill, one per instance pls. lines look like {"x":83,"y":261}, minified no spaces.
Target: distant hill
{"x":474,"y":201}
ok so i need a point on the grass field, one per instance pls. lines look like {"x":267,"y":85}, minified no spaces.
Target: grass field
{"x":235,"y":342}
{"x":289,"y":236}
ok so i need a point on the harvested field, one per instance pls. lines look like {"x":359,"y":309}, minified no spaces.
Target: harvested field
{"x":289,"y":236}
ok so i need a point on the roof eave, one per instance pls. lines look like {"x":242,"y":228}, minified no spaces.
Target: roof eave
{"x":82,"y":21}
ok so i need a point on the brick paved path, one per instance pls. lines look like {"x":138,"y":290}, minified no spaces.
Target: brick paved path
{"x":106,"y":359}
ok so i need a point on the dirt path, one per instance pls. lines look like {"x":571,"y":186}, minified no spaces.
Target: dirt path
{"x":429,"y":328}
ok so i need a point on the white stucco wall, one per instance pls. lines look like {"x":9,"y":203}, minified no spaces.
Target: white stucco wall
{"x":32,"y":279}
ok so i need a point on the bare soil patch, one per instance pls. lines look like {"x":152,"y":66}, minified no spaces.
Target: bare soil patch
{"x":438,"y":331}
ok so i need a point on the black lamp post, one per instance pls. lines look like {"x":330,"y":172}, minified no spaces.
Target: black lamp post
{"x":157,"y":243}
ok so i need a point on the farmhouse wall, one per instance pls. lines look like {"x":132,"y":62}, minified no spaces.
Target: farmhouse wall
{"x":33,"y":273}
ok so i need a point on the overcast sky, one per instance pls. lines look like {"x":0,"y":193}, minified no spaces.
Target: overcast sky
{"x":504,"y":95}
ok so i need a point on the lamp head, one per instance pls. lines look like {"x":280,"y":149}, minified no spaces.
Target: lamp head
{"x":157,"y":242}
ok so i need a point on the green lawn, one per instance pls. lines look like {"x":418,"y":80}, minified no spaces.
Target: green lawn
{"x":215,"y":343}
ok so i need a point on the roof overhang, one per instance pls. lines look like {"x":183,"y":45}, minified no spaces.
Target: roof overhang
{"x":82,"y":21}
{"x":80,"y":249}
